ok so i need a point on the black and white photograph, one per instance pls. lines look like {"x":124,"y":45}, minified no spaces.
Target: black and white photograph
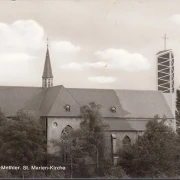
{"x":89,"y":89}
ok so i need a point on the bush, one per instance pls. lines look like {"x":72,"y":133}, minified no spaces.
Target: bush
{"x":116,"y":172}
{"x":155,"y":154}
{"x":5,"y":174}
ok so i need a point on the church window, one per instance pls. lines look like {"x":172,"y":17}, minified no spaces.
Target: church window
{"x":114,"y":149}
{"x":66,"y":130}
{"x":140,"y":133}
{"x":113,"y":143}
{"x":68,"y":107}
{"x":66,"y":149}
{"x":113,"y":109}
{"x":55,"y":124}
{"x":126,"y":141}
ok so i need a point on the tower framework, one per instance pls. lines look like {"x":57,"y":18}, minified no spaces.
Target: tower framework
{"x":165,"y":71}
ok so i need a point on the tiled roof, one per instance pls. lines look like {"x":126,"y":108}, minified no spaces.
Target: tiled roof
{"x":57,"y":97}
{"x":49,"y":97}
{"x":14,"y":98}
{"x":132,"y":106}
{"x":54,"y":102}
{"x":47,"y":67}
{"x":107,"y":98}
{"x":143,"y":104}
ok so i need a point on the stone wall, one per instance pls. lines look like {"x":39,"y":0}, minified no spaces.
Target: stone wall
{"x":54,"y":130}
{"x":121,"y":135}
{"x":56,"y":126}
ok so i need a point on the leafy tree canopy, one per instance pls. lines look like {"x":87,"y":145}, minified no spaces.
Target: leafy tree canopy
{"x":155,"y":153}
{"x":87,"y":144}
{"x":22,"y":141}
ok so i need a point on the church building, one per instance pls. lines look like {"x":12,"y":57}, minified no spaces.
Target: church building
{"x":125,"y":111}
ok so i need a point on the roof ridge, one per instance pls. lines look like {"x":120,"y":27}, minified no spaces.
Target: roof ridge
{"x":72,"y":97}
{"x":57,"y":86}
{"x":22,"y":86}
{"x":125,"y":112}
{"x":89,"y":88}
{"x":41,"y":99}
{"x":56,"y":97}
{"x":150,"y":90}
{"x":115,"y":89}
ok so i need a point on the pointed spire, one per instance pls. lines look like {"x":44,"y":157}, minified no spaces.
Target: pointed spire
{"x":47,"y":66}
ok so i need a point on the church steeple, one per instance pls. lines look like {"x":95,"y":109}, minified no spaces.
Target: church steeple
{"x":47,"y":77}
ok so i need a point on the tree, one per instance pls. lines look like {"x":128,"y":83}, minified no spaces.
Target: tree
{"x":155,"y":153}
{"x":178,"y":111}
{"x":2,"y":118}
{"x":23,"y":140}
{"x":87,"y":144}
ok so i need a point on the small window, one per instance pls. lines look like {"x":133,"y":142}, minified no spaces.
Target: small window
{"x":140,"y":133}
{"x":55,"y":124}
{"x":68,"y":107}
{"x":113,"y":109}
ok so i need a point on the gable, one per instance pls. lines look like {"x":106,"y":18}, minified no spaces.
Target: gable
{"x":48,"y":100}
{"x":54,"y":102}
{"x":64,"y":98}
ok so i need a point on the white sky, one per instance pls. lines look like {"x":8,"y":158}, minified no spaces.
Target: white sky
{"x":93,"y":43}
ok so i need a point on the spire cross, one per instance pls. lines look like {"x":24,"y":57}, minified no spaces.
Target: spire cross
{"x":165,"y":38}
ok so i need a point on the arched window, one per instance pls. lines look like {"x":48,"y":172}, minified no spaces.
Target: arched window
{"x":113,"y":147}
{"x":66,"y":149}
{"x":113,"y":142}
{"x":126,"y":141}
{"x":66,"y":130}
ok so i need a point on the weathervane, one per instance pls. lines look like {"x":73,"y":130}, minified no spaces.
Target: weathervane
{"x":165,"y":38}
